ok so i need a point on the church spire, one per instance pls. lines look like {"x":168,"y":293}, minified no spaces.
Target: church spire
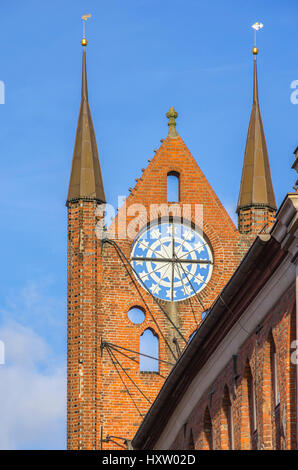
{"x":256,"y":203}
{"x":86,"y":180}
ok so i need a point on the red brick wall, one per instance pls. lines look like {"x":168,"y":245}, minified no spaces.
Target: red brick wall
{"x":83,"y":279}
{"x":276,"y":426}
{"x":102,"y":290}
{"x":254,"y":220}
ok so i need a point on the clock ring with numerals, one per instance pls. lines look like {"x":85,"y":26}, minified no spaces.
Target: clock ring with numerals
{"x":173,"y":260}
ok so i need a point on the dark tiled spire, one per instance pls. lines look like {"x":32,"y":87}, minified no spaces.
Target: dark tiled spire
{"x":86,"y":179}
{"x":256,"y":190}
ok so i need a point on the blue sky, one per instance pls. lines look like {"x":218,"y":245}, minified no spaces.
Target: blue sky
{"x":143,"y":56}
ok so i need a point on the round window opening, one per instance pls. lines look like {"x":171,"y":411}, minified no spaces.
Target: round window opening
{"x":136,"y":315}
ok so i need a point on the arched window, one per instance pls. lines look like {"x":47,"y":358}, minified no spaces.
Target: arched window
{"x":207,"y":431}
{"x":248,"y":410}
{"x":173,"y":189}
{"x":271,"y":412}
{"x":149,"y":347}
{"x":274,"y":372}
{"x":227,"y":436}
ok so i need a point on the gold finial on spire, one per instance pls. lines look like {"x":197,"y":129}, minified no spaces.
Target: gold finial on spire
{"x":256,"y":26}
{"x":172,"y":115}
{"x":84,"y":18}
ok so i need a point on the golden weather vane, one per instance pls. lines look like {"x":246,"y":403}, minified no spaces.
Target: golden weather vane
{"x":84,"y":18}
{"x":256,"y":26}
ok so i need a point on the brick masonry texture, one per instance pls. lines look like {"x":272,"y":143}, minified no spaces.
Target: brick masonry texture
{"x":255,"y":220}
{"x":275,"y":423}
{"x":102,"y":288}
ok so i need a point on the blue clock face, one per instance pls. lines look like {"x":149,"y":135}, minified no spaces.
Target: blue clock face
{"x":172,"y":260}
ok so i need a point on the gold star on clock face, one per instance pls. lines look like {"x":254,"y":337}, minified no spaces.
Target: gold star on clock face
{"x":172,"y":260}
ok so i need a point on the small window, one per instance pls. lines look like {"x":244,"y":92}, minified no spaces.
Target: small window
{"x":136,"y":315}
{"x":149,"y":347}
{"x":173,"y":190}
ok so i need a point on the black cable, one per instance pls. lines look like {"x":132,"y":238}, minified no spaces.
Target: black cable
{"x":238,"y":321}
{"x":146,"y":288}
{"x":140,"y":354}
{"x":175,"y":341}
{"x":227,"y":307}
{"x":147,"y":306}
{"x":108,"y":439}
{"x":127,"y":389}
{"x":193,"y":312}
{"x":231,"y":311}
{"x":265,"y":226}
{"x":189,"y":252}
{"x":196,"y":294}
{"x":124,"y":439}
{"x":125,"y":355}
{"x":127,"y":375}
{"x":189,"y":299}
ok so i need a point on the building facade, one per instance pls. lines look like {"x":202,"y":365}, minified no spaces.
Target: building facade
{"x":235,"y":385}
{"x":139,"y":290}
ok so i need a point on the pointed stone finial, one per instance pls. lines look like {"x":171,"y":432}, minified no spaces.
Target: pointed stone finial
{"x":172,"y":115}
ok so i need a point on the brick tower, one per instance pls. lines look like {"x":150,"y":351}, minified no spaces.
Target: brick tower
{"x":138,"y":291}
{"x":256,"y":204}
{"x":85,"y":193}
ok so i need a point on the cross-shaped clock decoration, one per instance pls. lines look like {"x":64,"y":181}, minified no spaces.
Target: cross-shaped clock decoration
{"x":173,"y":260}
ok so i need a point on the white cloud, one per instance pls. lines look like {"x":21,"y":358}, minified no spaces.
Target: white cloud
{"x":23,"y":346}
{"x":34,"y":303}
{"x":32,"y":394}
{"x":33,"y":378}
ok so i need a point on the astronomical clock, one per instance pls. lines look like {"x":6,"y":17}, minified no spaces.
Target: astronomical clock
{"x":172,"y":260}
